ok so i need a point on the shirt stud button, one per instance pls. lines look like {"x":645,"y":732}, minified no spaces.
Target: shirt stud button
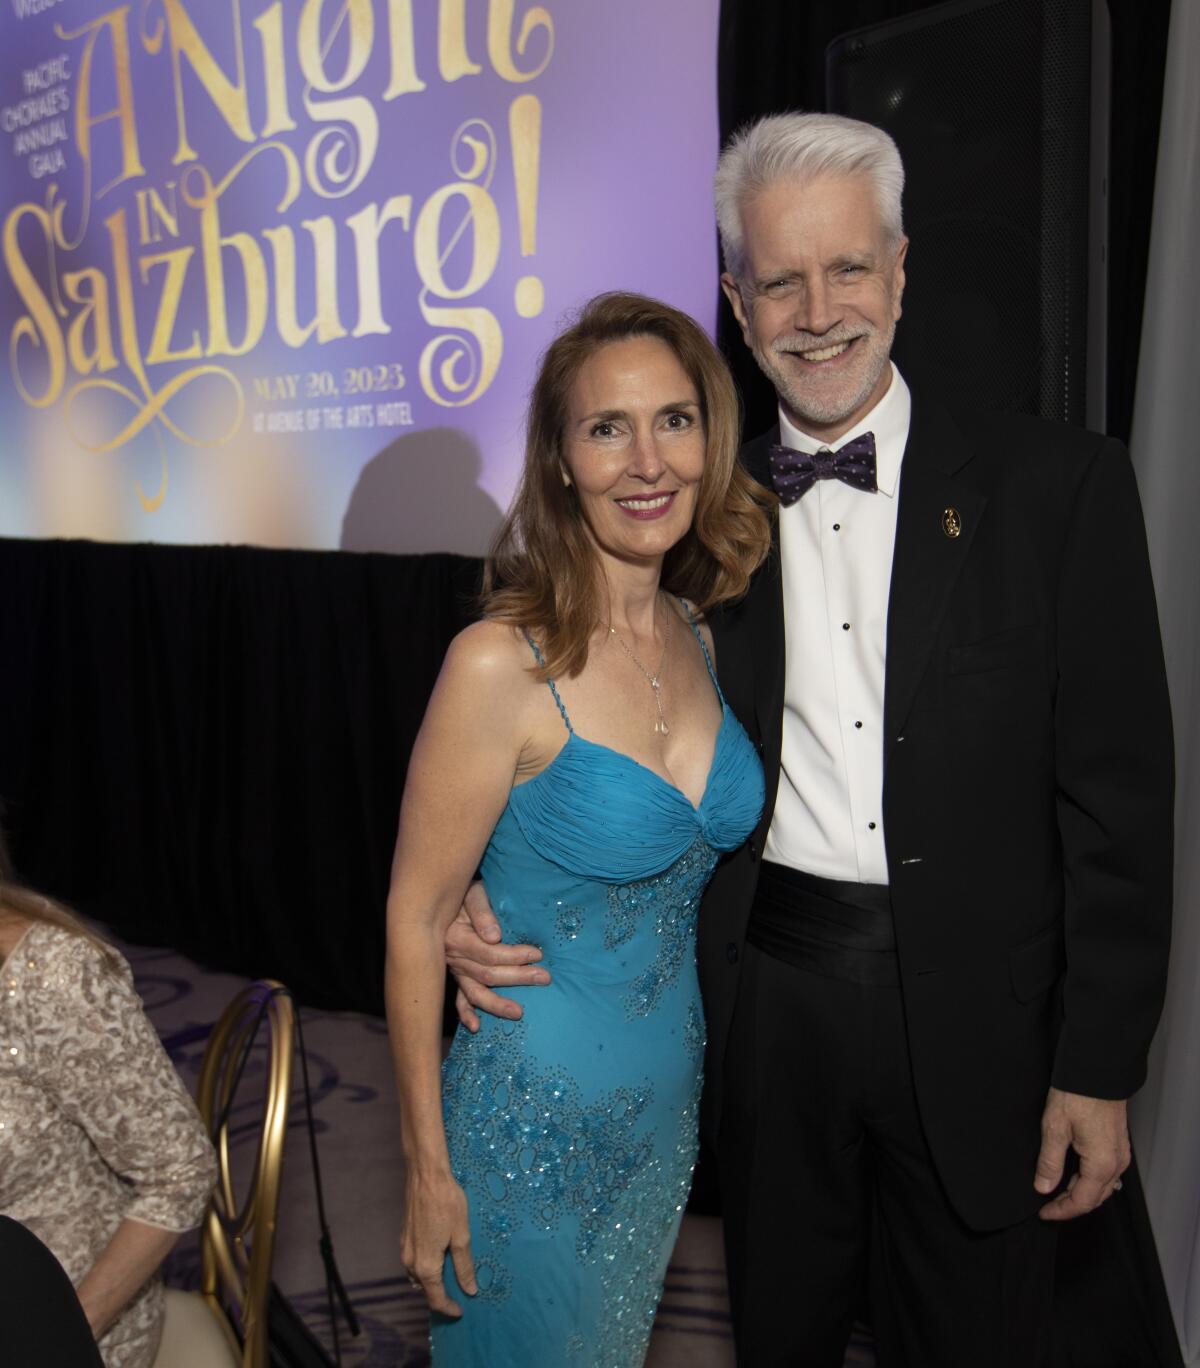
{"x":837,"y":527}
{"x":845,"y":626}
{"x":870,"y":826}
{"x":858,"y":726}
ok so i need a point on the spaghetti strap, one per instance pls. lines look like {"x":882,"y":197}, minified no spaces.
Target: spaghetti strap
{"x":691,"y":617}
{"x":541,"y":660}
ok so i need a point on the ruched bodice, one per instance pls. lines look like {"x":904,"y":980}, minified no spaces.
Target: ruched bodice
{"x":573,"y":1130}
{"x":599,"y":814}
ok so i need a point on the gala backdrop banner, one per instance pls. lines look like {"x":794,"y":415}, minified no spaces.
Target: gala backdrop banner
{"x":279,"y":273}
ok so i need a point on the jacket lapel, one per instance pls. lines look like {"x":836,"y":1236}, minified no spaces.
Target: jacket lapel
{"x":765,"y":620}
{"x":938,"y":475}
{"x":749,"y":637}
{"x":942,"y":497}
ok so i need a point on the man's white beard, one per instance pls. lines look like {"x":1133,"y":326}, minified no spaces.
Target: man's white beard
{"x":806,"y":403}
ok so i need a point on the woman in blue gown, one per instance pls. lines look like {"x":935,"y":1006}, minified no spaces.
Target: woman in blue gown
{"x":578,"y":750}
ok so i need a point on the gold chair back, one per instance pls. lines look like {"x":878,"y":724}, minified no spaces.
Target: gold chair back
{"x":237,"y":1239}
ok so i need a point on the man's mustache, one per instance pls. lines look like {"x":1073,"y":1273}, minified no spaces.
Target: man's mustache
{"x":802,"y":342}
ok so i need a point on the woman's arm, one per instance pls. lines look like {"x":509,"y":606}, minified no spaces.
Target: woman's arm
{"x":102,"y":1061}
{"x":132,"y":1255}
{"x":459,"y":778}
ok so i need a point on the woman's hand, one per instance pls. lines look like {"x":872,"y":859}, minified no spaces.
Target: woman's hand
{"x":132,"y":1255}
{"x":435,"y":1219}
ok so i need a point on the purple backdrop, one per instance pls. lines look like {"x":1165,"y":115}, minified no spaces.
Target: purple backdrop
{"x":280,"y":273}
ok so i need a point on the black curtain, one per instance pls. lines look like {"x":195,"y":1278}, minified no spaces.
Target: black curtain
{"x":772,"y":58}
{"x":204,"y":747}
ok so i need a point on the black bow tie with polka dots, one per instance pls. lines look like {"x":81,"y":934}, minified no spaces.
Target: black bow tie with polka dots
{"x":793,"y":473}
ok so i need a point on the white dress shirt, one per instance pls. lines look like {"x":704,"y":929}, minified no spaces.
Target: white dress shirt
{"x":835,"y":546}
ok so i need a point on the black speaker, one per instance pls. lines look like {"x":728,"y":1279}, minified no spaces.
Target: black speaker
{"x":1000,"y":111}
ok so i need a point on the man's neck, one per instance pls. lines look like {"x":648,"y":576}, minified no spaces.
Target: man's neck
{"x":828,"y":433}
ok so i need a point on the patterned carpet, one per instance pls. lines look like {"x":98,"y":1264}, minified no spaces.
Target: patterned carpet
{"x":357,"y":1120}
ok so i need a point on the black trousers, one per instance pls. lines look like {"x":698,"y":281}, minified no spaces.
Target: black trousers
{"x":829,"y":1193}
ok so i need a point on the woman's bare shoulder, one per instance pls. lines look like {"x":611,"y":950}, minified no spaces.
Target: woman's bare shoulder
{"x":487,"y":676}
{"x":490,"y":652}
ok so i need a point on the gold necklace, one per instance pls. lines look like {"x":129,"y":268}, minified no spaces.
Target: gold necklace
{"x":655,"y":679}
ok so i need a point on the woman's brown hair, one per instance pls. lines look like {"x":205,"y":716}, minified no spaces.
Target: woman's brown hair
{"x":542,"y":571}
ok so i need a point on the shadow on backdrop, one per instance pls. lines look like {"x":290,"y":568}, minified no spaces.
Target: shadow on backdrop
{"x":421,"y":493}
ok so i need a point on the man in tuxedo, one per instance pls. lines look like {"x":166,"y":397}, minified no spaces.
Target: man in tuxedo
{"x":932,"y":974}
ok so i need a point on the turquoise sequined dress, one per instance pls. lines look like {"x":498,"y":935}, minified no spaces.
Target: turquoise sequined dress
{"x":573,"y":1130}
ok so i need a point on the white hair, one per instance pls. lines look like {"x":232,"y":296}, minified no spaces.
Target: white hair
{"x":800,"y":147}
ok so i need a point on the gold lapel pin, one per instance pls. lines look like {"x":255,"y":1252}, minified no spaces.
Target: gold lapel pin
{"x":952,"y":523}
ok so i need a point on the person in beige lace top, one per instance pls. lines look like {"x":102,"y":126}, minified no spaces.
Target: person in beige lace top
{"x":102,"y":1153}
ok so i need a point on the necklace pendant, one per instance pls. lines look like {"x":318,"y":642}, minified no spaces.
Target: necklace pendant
{"x":655,"y":679}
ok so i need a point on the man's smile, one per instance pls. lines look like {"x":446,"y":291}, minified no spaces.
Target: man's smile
{"x":822,"y":357}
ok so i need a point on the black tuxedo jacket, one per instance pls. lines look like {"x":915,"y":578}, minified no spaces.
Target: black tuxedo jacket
{"x":1027,"y":797}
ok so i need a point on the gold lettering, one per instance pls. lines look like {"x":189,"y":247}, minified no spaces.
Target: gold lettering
{"x":176,"y":263}
{"x":150,"y":404}
{"x":313,"y":52}
{"x":470,"y":365}
{"x":403,"y":51}
{"x":115,"y":22}
{"x":367,"y":225}
{"x":100,"y":354}
{"x":455,"y":368}
{"x":525,"y":133}
{"x":228,"y":96}
{"x":213,"y":246}
{"x":270,"y":29}
{"x":150,"y":202}
{"x":453,"y":58}
{"x":500,"y":18}
{"x":328,"y":169}
{"x":40,"y":324}
{"x":325,"y":320}
{"x":431,"y":257}
{"x":212,"y":253}
{"x":131,"y":347}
